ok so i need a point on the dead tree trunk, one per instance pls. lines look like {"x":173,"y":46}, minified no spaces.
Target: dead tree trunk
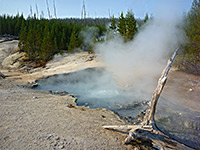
{"x":149,"y":119}
{"x":148,"y":123}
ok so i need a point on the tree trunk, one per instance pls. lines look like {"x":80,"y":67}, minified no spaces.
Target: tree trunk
{"x":161,"y":83}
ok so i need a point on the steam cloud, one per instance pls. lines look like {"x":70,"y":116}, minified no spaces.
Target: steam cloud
{"x":138,"y":63}
{"x":88,"y":34}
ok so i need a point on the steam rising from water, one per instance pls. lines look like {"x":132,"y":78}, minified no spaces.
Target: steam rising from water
{"x":139,"y":63}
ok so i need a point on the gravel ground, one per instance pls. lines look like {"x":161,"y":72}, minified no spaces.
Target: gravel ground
{"x":32,"y":119}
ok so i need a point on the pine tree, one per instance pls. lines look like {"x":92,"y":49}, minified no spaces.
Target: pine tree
{"x":190,"y":59}
{"x":22,"y":36}
{"x":9,"y":26}
{"x":193,"y":30}
{"x":146,"y":18}
{"x":38,"y":38}
{"x":113,"y":24}
{"x":63,"y":40}
{"x":122,"y":25}
{"x":73,"y":40}
{"x":46,"y":48}
{"x":4,"y":25}
{"x":131,"y":26}
{"x":29,"y":46}
{"x":1,"y":20}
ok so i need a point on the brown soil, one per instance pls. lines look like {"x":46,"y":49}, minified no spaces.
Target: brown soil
{"x":183,"y":89}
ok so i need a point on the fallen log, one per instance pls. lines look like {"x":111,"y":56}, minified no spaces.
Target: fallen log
{"x":147,"y":128}
{"x":9,"y":39}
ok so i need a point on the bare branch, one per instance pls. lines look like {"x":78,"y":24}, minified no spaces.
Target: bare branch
{"x":48,"y":10}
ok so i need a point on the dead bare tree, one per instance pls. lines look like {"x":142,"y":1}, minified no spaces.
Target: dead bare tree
{"x":54,"y":8}
{"x":48,"y":10}
{"x":148,"y":123}
{"x":83,"y":12}
{"x":37,"y":12}
{"x":31,"y":11}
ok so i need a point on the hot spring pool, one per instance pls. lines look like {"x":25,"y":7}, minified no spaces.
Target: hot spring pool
{"x":96,"y":88}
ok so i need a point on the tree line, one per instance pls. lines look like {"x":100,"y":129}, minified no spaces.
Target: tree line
{"x":41,"y":39}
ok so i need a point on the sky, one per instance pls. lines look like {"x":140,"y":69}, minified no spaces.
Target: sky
{"x":94,"y":8}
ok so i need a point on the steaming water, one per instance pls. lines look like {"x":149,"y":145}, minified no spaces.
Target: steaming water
{"x":96,"y":88}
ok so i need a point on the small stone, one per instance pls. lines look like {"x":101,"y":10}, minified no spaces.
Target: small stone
{"x":50,"y":91}
{"x":61,"y":146}
{"x":35,"y":97}
{"x":56,"y":144}
{"x":58,"y":138}
{"x":82,"y":109}
{"x":65,"y":141}
{"x":32,"y":84}
{"x":70,"y":106}
{"x":61,"y":93}
{"x":190,"y":90}
{"x":137,"y":148}
{"x":6,"y":138}
{"x":103,"y":116}
{"x":49,"y":137}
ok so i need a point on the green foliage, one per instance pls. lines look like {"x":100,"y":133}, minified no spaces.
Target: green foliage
{"x":113,"y":24}
{"x":131,"y":28}
{"x":146,"y":18}
{"x":127,"y":26}
{"x":40,"y":39}
{"x":193,"y":20}
{"x":189,"y":59}
{"x":122,"y":25}
{"x":11,"y":25}
{"x":73,"y":41}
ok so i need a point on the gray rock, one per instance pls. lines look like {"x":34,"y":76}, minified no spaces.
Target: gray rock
{"x":50,"y":136}
{"x":61,"y":93}
{"x":2,"y":75}
{"x":57,"y":138}
{"x":32,"y":84}
{"x":61,"y":146}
